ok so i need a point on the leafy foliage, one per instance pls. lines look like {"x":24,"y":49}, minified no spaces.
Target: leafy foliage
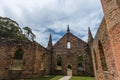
{"x":29,"y":34}
{"x":10,"y":29}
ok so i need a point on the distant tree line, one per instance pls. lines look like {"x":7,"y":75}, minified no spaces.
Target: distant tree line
{"x":10,"y":29}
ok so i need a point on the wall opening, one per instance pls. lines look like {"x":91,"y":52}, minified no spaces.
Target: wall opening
{"x":59,"y":63}
{"x":42,"y":62}
{"x":96,"y":64}
{"x":118,"y":2}
{"x":80,"y":63}
{"x":17,"y":60}
{"x":102,"y":56}
{"x":68,"y":45}
{"x":69,"y":70}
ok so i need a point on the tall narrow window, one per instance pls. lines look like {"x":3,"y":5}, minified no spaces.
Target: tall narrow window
{"x":68,"y":45}
{"x":80,"y":63}
{"x":43,"y":62}
{"x":96,"y":64}
{"x":102,"y":56}
{"x":118,"y":2}
{"x":59,"y":63}
{"x":17,"y":60}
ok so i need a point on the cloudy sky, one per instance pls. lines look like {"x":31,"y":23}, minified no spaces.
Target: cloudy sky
{"x":53,"y":16}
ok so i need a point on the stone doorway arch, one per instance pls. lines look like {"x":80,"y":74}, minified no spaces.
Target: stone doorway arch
{"x":69,"y":70}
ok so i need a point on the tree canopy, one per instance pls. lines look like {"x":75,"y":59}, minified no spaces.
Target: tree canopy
{"x":10,"y":29}
{"x":29,"y":34}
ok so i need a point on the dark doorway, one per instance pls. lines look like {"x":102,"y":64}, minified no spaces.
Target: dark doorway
{"x":69,"y":70}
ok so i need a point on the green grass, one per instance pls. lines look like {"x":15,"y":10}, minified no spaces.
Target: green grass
{"x":47,"y":77}
{"x":82,"y":78}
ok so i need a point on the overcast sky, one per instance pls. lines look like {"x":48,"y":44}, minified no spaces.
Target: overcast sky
{"x":53,"y":16}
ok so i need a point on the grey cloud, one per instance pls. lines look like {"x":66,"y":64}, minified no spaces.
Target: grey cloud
{"x":43,"y":15}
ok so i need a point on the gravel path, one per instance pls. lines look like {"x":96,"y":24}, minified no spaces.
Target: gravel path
{"x":65,"y":78}
{"x":69,"y":75}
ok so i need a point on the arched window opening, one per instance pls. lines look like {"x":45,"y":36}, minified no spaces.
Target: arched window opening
{"x":68,"y":45}
{"x":118,"y":2}
{"x":96,"y":64}
{"x":17,"y":60}
{"x":102,"y":56}
{"x":42,"y":63}
{"x":80,"y":63}
{"x":69,"y":70}
{"x":59,"y":63}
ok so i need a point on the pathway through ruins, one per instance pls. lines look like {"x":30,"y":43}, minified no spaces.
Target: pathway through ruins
{"x":69,"y":75}
{"x":65,"y":78}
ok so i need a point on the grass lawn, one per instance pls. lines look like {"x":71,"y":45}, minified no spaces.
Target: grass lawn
{"x":82,"y":78}
{"x":47,"y":77}
{"x":60,"y":76}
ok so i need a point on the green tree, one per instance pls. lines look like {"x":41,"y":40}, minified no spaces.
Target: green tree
{"x":9,"y":28}
{"x":29,"y":34}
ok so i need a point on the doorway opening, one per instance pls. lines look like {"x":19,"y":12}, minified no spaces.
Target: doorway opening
{"x":69,"y":70}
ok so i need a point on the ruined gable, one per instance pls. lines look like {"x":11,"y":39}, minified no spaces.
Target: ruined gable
{"x":70,"y":49}
{"x":75,"y":42}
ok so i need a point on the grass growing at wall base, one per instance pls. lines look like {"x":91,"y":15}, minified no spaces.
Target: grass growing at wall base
{"x":57,"y":77}
{"x":47,"y":77}
{"x":81,"y":78}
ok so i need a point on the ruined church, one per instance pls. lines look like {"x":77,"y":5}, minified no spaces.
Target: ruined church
{"x":99,"y":56}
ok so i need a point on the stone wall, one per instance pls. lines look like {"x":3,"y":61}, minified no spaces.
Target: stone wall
{"x":102,"y":36}
{"x":108,"y":35}
{"x":70,"y":55}
{"x":31,"y":58}
{"x":102,"y":53}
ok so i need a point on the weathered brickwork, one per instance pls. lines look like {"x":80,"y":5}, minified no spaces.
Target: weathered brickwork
{"x":102,"y":36}
{"x":35,"y":55}
{"x":31,"y":59}
{"x":109,"y":36}
{"x":70,"y":55}
{"x":101,"y":54}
